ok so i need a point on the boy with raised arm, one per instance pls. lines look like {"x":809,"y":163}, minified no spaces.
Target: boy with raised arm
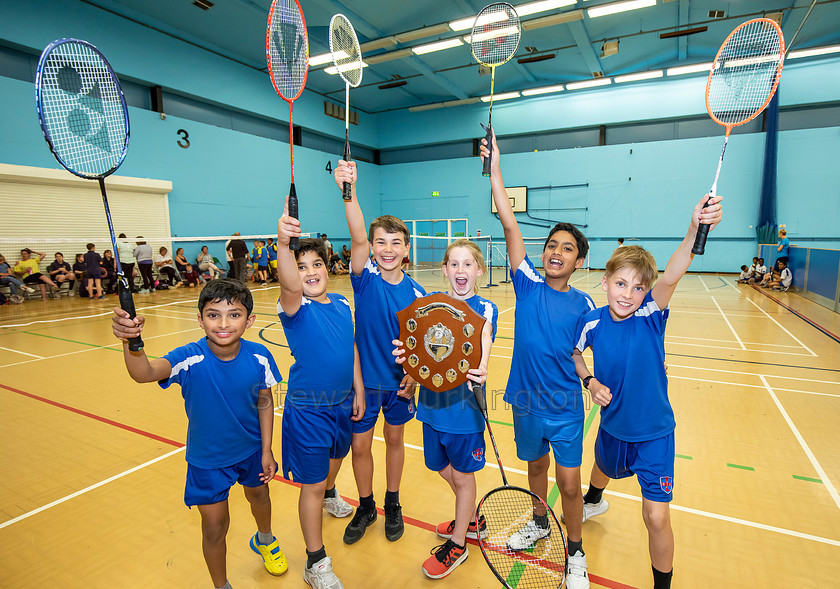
{"x":322,"y":401}
{"x":627,"y":337}
{"x":226,"y":383}
{"x":542,"y":388}
{"x":380,"y":288}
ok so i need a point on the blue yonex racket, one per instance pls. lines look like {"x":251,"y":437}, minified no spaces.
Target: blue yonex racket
{"x":85,"y":122}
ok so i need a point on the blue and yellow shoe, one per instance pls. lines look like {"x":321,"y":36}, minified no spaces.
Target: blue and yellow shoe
{"x":273,"y":558}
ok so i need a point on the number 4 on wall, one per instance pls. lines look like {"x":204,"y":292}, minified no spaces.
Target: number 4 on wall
{"x":328,"y":167}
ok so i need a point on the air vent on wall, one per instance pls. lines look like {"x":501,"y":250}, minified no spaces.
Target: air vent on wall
{"x":717,"y":14}
{"x":337,"y":112}
{"x":203,"y":4}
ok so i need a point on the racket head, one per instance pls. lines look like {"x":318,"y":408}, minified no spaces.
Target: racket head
{"x":81,"y":108}
{"x":287,"y":48}
{"x":495,"y":34}
{"x":344,"y":48}
{"x":542,"y":565}
{"x":745,"y":73}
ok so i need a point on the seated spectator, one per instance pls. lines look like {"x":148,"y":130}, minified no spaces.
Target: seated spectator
{"x":744,"y":277}
{"x":60,"y":271}
{"x":143,"y":255}
{"x":760,"y":272}
{"x":109,"y":271}
{"x":166,"y":267}
{"x":93,"y":271}
{"x":753,"y":266}
{"x":206,"y":263}
{"x":785,"y":277}
{"x":191,"y":276}
{"x":30,"y":269}
{"x":337,"y":266}
{"x":80,"y":270}
{"x":181,"y":260}
{"x":7,"y":278}
{"x":345,"y":255}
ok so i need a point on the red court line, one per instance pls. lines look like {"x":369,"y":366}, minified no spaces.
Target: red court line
{"x":409,"y":520}
{"x":807,"y":320}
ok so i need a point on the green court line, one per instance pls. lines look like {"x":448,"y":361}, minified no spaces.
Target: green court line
{"x":501,"y":423}
{"x":741,"y":466}
{"x":108,"y":347}
{"x":683,"y":456}
{"x":809,"y":479}
{"x":503,"y":337}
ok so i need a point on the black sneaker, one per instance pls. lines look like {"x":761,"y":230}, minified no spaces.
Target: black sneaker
{"x":394,"y":526}
{"x":357,"y":526}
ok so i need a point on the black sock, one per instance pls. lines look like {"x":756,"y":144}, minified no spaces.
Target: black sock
{"x":367,"y":503}
{"x":575,"y":547}
{"x":330,"y":493}
{"x":661,"y":580}
{"x":392,"y":497}
{"x":313,"y":557}
{"x":593,"y":494}
{"x":72,"y":284}
{"x":541,"y":520}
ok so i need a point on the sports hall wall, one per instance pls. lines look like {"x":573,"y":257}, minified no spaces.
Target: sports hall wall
{"x":229,"y":181}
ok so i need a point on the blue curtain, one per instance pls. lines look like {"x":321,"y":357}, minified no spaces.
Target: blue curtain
{"x":765,"y":228}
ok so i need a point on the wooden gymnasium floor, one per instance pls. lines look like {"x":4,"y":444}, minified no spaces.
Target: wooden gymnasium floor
{"x":93,"y":466}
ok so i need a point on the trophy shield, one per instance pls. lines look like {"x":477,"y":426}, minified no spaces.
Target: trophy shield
{"x":442,"y":341}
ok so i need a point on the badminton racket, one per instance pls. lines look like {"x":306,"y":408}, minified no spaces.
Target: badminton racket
{"x":743,"y":78}
{"x":347,"y":58}
{"x":83,"y":115}
{"x":506,"y":510}
{"x":494,"y":39}
{"x":287,"y":54}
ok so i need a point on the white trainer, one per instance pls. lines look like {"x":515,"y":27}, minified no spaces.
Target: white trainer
{"x":590,"y":510}
{"x":337,"y":506}
{"x":576,"y":575}
{"x":321,"y":576}
{"x":526,"y":536}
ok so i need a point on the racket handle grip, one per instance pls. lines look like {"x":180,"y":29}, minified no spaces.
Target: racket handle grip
{"x":702,"y":233}
{"x":485,"y":171}
{"x":346,"y":191}
{"x":135,"y":344}
{"x":480,"y":398}
{"x":294,"y":244}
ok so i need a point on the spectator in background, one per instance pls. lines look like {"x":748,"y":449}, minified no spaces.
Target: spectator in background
{"x":239,"y":250}
{"x":259,"y":256}
{"x":143,"y":254}
{"x":783,"y":247}
{"x":744,"y":277}
{"x":327,"y":243}
{"x":181,"y":260}
{"x":345,"y":255}
{"x":60,"y":271}
{"x":271,"y":248}
{"x":7,"y":278}
{"x":229,"y":257}
{"x":125,"y":251}
{"x":109,"y":271}
{"x":29,"y":268}
{"x":760,"y":272}
{"x":784,"y":279}
{"x":191,"y":276}
{"x":167,"y":268}
{"x":207,"y":264}
{"x":80,"y":270}
{"x":620,"y":241}
{"x":93,"y":269}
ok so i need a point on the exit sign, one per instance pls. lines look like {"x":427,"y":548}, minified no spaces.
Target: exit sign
{"x":435,"y":193}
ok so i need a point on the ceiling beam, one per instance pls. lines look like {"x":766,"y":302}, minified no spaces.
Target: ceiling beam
{"x":593,"y":62}
{"x":683,"y":41}
{"x":791,"y":22}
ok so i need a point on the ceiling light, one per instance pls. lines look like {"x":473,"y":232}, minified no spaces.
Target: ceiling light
{"x":814,"y":51}
{"x":326,"y":58}
{"x":468,"y":23}
{"x":378,"y":44}
{"x":747,"y":61}
{"x":589,"y":84}
{"x":552,"y":19}
{"x":438,"y":46}
{"x":497,"y":97}
{"x":332,"y":70}
{"x":541,"y":6}
{"x":543,"y":90}
{"x":383,"y":57}
{"x":639,"y":76}
{"x":423,"y":107}
{"x":461,"y":102}
{"x":493,"y":34}
{"x":688,"y":69}
{"x":536,"y":58}
{"x":430,"y":31}
{"x":617,"y":7}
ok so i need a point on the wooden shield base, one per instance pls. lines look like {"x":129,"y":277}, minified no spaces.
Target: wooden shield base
{"x":442,"y":340}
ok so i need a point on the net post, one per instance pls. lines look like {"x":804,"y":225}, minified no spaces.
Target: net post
{"x":490,"y":262}
{"x":507,"y":269}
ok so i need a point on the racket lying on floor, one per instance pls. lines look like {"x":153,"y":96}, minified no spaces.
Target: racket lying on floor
{"x":85,"y":122}
{"x":347,"y":59}
{"x":494,"y":39}
{"x":506,"y":511}
{"x":744,"y":76}
{"x":287,"y":53}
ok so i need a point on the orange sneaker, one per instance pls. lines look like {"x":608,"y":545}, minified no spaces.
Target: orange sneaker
{"x":445,"y":529}
{"x":444,"y":559}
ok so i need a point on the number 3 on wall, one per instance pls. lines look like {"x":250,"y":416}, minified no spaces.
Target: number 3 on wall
{"x":186,"y":139}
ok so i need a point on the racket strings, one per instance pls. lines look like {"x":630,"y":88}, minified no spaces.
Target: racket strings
{"x":82,"y":110}
{"x":288,"y":49}
{"x":542,"y":564}
{"x":495,"y":34}
{"x":344,"y":47}
{"x":745,"y":73}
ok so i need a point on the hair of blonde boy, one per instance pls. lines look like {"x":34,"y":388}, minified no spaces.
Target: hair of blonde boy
{"x":389,"y":224}
{"x":473,"y":249}
{"x":636,"y":258}
{"x":783,"y":232}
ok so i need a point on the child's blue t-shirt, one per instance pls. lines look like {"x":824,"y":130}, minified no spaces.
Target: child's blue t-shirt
{"x":93,"y":264}
{"x":377,"y":303}
{"x":320,"y":337}
{"x":455,"y":411}
{"x":259,"y":256}
{"x":272,"y":252}
{"x":543,"y":380}
{"x":629,"y":358}
{"x":220,"y":398}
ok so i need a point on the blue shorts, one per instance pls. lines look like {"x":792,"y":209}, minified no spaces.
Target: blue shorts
{"x":651,"y":461}
{"x":206,"y":486}
{"x":312,"y":437}
{"x":465,"y":452}
{"x":534,"y":434}
{"x":397,"y":410}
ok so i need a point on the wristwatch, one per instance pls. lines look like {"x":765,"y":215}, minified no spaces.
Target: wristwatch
{"x":586,"y":381}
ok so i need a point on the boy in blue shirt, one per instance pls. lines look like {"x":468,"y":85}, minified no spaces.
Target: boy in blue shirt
{"x":271,"y":248}
{"x":380,"y":288}
{"x":226,"y":383}
{"x":322,"y":402}
{"x":627,"y":337}
{"x":542,"y":388}
{"x":259,"y":256}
